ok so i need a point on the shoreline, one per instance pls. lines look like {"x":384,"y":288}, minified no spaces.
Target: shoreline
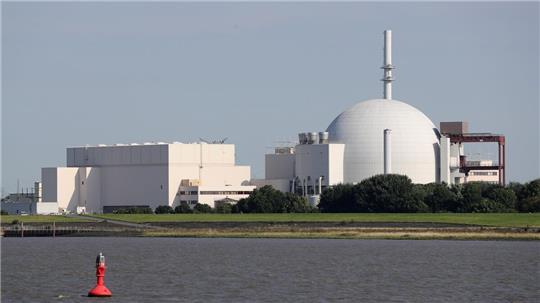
{"x":279,"y":230}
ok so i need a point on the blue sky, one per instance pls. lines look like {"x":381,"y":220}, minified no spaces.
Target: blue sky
{"x":257,"y":73}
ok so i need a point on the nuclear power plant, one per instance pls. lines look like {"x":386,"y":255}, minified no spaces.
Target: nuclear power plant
{"x":378,"y":136}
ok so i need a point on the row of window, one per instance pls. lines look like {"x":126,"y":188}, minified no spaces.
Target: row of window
{"x":225,"y":192}
{"x":483,"y":173}
{"x":185,"y":192}
{"x":210,"y":192}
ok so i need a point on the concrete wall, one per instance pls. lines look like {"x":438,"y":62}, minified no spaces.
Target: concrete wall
{"x":314,"y":160}
{"x":134,"y":185}
{"x":117,"y":155}
{"x":211,"y":154}
{"x":60,"y":184}
{"x":225,"y":175}
{"x":445,"y":160}
{"x":45,"y":208}
{"x":279,"y":166}
{"x":335,"y":163}
{"x":90,"y":189}
{"x":68,"y":191}
{"x":49,"y":182}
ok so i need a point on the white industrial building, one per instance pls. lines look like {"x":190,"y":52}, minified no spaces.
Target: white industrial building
{"x":104,"y":178}
{"x":379,"y":136}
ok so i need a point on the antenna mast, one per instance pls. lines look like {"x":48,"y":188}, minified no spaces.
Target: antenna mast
{"x":387,"y":67}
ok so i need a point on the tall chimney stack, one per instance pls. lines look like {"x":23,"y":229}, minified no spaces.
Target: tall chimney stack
{"x":387,"y":67}
{"x":387,"y":151}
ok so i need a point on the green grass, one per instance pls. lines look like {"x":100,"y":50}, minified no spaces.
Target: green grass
{"x":505,"y":219}
{"x":39,"y":219}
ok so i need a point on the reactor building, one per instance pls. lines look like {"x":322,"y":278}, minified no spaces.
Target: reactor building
{"x":380,"y":136}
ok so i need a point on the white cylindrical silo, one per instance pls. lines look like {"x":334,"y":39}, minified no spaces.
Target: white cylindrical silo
{"x":387,"y":151}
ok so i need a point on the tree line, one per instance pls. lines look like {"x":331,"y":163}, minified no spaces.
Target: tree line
{"x":381,"y":194}
{"x":396,"y":193}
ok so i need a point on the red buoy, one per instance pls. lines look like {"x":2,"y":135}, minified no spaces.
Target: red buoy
{"x":100,"y":290}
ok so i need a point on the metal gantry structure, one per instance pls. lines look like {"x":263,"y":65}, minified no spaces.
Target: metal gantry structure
{"x":482,"y":138}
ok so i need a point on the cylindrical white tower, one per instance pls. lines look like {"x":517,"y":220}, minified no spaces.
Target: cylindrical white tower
{"x":387,"y":151}
{"x":387,"y":65}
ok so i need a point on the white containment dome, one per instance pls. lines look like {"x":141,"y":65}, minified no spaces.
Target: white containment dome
{"x":415,"y":141}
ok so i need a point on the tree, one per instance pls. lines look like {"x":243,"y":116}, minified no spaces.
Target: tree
{"x":183,"y":208}
{"x":520,"y":190}
{"x":527,"y":196}
{"x":340,"y":198}
{"x":533,"y":188}
{"x":240,"y":207}
{"x":269,"y":200}
{"x":471,"y":195}
{"x":381,"y":193}
{"x":486,"y":206}
{"x":390,"y":193}
{"x":505,"y":197}
{"x":164,"y":209}
{"x":266,"y":200}
{"x":297,"y":204}
{"x":529,"y":204}
{"x":440,"y":197}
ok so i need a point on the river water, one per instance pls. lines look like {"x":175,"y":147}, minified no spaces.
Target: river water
{"x":270,"y":270}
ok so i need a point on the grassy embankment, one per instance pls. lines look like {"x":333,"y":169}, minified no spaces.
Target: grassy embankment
{"x":511,"y":226}
{"x":39,"y":219}
{"x":382,"y":233}
{"x":500,"y":220}
{"x":477,"y":226}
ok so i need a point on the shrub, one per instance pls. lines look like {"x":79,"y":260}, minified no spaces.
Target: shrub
{"x":164,"y":209}
{"x":183,"y":208}
{"x":439,"y":197}
{"x":134,"y":210}
{"x":3,"y":212}
{"x":471,"y":195}
{"x":340,"y":198}
{"x":530,"y":204}
{"x":486,"y":206}
{"x":202,"y":208}
{"x":269,"y":200}
{"x":505,"y":197}
{"x":527,"y":196}
{"x":224,"y":208}
{"x":296,"y":204}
